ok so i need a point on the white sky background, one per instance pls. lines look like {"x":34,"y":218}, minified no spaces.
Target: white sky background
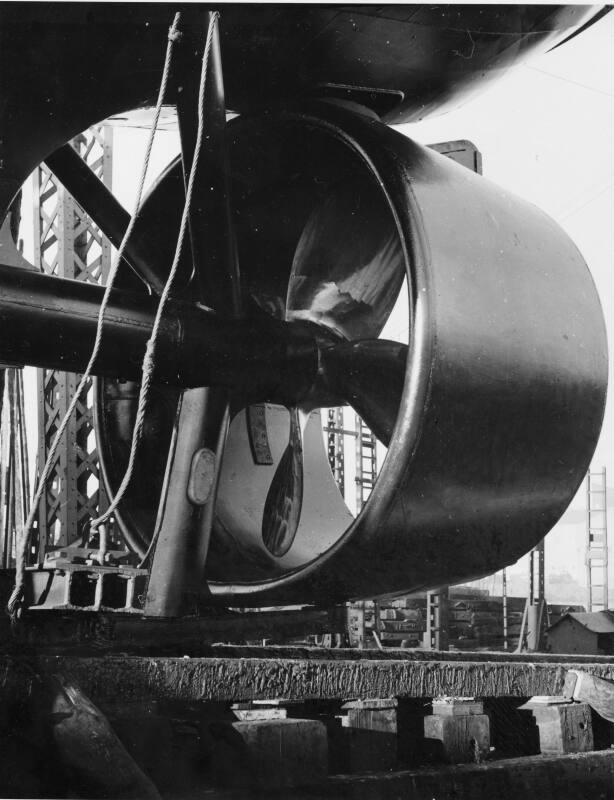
{"x":546,"y":132}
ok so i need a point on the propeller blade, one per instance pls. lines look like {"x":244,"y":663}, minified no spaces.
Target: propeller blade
{"x":282,"y":509}
{"x":369,"y":375}
{"x":349,"y":266}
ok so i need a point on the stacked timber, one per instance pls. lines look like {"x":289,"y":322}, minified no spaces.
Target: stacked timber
{"x":478,"y":622}
{"x":475,"y":620}
{"x":397,"y":623}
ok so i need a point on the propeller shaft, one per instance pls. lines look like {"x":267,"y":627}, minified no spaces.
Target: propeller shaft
{"x":51,"y":322}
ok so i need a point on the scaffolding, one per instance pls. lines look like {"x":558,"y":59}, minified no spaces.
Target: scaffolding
{"x":69,"y":245}
{"x":597,"y":541}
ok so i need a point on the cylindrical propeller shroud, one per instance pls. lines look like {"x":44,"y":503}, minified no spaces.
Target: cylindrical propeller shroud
{"x":495,"y":410}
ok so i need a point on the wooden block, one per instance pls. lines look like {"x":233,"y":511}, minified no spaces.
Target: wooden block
{"x":457,"y":706}
{"x":383,"y":733}
{"x":372,"y":703}
{"x":547,"y":700}
{"x":458,"y":739}
{"x":254,"y":714}
{"x":563,"y":727}
{"x":269,"y":754}
{"x":376,"y":719}
{"x":371,"y":734}
{"x":246,"y":712}
{"x":597,"y":692}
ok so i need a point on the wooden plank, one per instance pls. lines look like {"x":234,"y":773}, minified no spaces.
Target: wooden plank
{"x":396,"y":654}
{"x":597,"y":692}
{"x":55,"y":631}
{"x":197,"y":679}
{"x":86,"y":744}
{"x":569,"y":777}
{"x":548,"y":777}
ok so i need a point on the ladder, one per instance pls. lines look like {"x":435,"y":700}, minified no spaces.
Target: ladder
{"x":365,"y":472}
{"x":597,"y":541}
{"x":366,"y":463}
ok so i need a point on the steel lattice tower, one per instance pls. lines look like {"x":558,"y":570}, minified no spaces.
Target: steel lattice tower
{"x":69,"y":245}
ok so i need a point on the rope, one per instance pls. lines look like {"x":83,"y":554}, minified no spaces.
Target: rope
{"x":149,"y":359}
{"x":23,"y":540}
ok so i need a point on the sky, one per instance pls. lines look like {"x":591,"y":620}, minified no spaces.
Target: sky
{"x":545,"y":133}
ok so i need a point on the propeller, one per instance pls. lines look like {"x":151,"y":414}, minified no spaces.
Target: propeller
{"x":368,"y":375}
{"x":347,"y":271}
{"x":349,"y":266}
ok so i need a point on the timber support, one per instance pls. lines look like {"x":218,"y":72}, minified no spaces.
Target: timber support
{"x":396,"y":735}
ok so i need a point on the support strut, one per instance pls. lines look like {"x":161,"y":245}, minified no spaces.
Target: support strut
{"x":182,"y":541}
{"x":109,"y":214}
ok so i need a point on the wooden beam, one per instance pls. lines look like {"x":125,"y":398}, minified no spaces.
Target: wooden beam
{"x":547,"y":777}
{"x":596,"y":691}
{"x":125,"y":678}
{"x":401,"y":654}
{"x":87,"y":746}
{"x":52,"y":631}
